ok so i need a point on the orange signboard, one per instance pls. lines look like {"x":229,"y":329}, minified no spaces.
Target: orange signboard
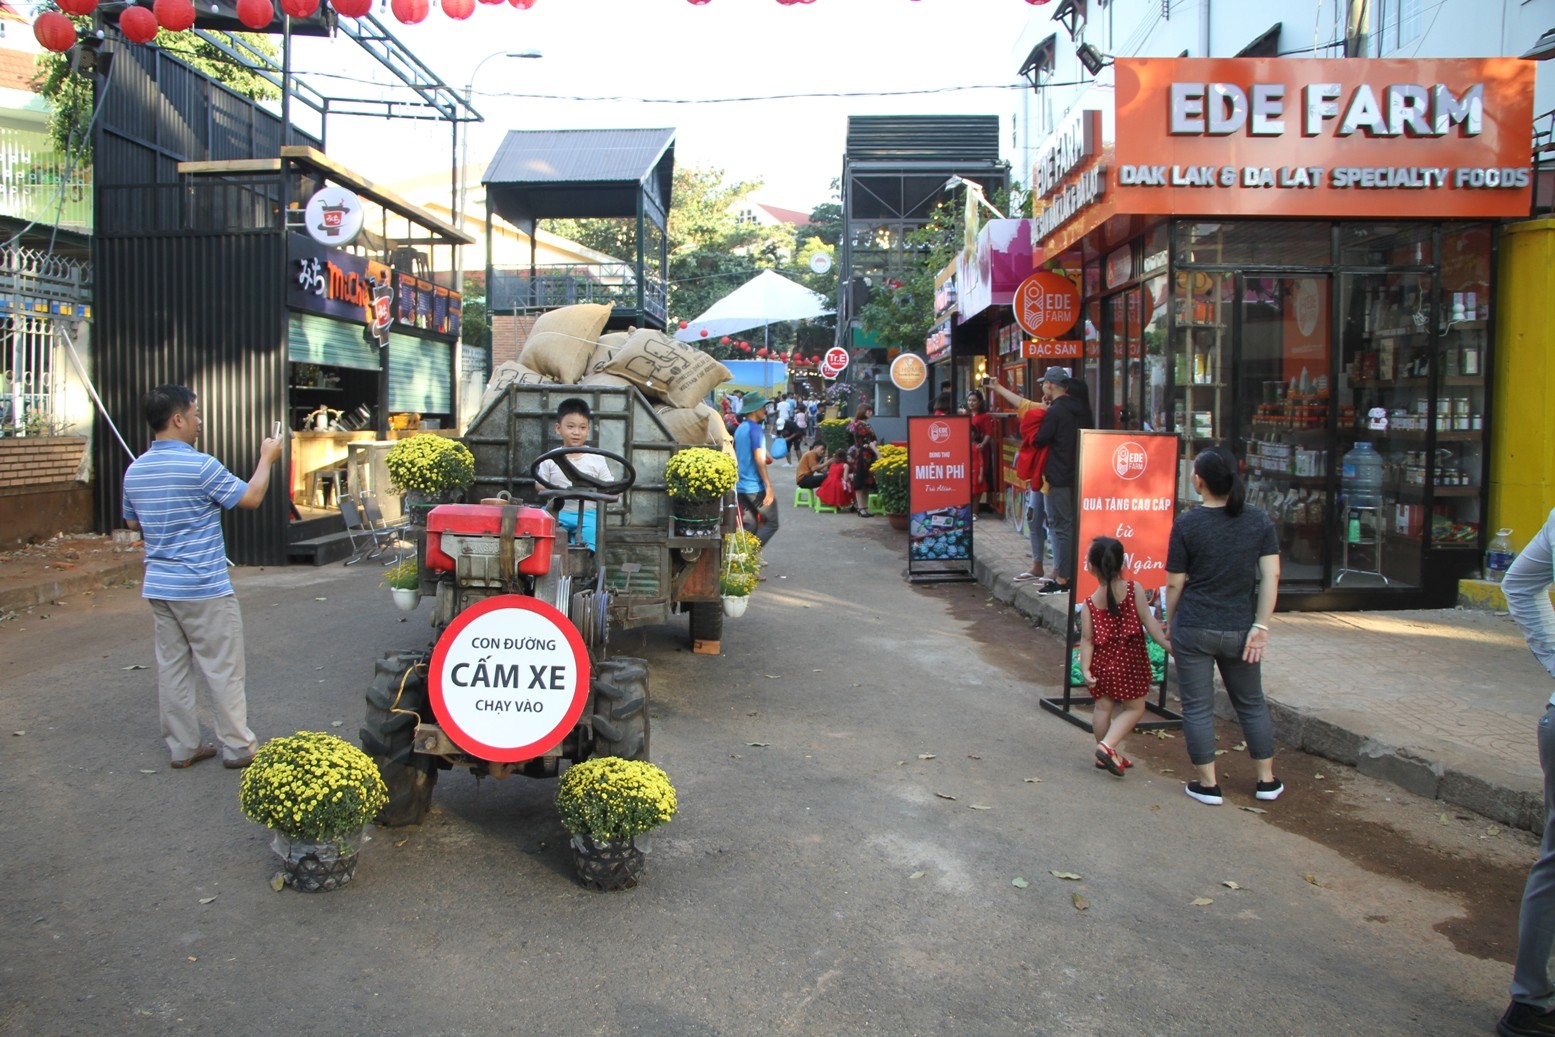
{"x":1127,"y":491}
{"x":1046,"y":304}
{"x":1051,"y":349}
{"x":1351,"y":137}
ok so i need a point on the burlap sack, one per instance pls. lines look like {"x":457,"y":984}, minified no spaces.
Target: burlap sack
{"x":717,"y":431}
{"x":563,"y":340}
{"x":615,"y":339}
{"x":508,"y":373}
{"x":670,"y":370}
{"x":687,"y":426}
{"x":604,"y":352}
{"x":606,"y":379}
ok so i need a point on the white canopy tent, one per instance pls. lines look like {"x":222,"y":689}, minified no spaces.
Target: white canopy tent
{"x":767,"y":298}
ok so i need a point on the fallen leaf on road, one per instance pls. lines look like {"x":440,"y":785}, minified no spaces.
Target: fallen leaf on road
{"x":336,"y":723}
{"x":207,"y":900}
{"x":1493,"y":830}
{"x":133,"y":666}
{"x":925,"y":756}
{"x":1319,"y":777}
{"x":978,"y":806}
{"x":1444,"y":819}
{"x":1019,"y":883}
{"x":1221,"y":752}
{"x":145,"y":771}
{"x":1312,"y":879}
{"x":773,"y":676}
{"x":1080,"y":903}
{"x":1155,"y":808}
{"x":944,"y":795}
{"x":758,"y":745}
{"x":1200,"y":902}
{"x":974,"y":757}
{"x":1239,"y":747}
{"x":402,"y":842}
{"x":320,"y":599}
{"x":1069,"y":875}
{"x":917,"y":875}
{"x":192,"y":958}
{"x":1030,"y":781}
{"x":1230,"y":885}
{"x":1161,"y":734}
{"x":1255,"y":810}
{"x":278,"y":881}
{"x":17,"y":734}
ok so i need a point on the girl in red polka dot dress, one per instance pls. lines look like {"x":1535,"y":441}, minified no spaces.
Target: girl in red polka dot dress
{"x":1113,"y":656}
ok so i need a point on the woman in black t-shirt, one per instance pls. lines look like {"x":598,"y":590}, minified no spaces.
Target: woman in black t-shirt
{"x":1222,"y":577}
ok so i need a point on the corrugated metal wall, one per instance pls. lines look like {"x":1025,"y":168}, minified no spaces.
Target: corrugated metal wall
{"x":190,"y":282}
{"x":209,"y":312}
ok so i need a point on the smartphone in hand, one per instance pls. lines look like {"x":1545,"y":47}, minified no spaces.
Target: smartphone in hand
{"x":275,"y":431}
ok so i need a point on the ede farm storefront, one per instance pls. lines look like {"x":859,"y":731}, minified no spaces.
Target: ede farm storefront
{"x":1294,"y":258}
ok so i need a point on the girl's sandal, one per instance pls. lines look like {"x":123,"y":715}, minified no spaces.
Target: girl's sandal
{"x":1127,"y":763}
{"x":1109,"y":758}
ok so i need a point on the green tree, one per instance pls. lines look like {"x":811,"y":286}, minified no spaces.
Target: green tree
{"x":474,"y":326}
{"x":900,"y":312}
{"x":713,"y":249}
{"x":70,"y":94}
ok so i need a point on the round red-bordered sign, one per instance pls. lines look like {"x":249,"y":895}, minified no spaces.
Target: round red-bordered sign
{"x":837,"y":357}
{"x":509,"y":678}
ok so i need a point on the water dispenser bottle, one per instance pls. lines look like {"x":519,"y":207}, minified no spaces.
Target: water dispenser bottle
{"x":1499,"y":555}
{"x":1360,"y":477}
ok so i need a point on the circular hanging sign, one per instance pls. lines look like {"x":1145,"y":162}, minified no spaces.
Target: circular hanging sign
{"x":828,"y":371}
{"x":1046,"y":304}
{"x":509,"y":678}
{"x":908,"y":372}
{"x":837,"y":357}
{"x":820,"y":263}
{"x":333,"y":216}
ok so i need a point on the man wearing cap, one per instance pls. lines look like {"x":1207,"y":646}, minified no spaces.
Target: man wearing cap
{"x":1060,"y":434}
{"x":758,"y":504}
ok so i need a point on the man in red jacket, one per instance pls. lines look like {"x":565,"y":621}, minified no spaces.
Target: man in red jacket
{"x":1029,"y":464}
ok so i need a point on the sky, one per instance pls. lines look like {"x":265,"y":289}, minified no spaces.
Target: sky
{"x":599,"y":56}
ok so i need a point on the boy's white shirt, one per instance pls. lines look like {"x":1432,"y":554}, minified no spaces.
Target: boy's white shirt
{"x":591,"y":464}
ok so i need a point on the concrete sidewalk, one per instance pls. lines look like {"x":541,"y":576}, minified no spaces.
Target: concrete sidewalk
{"x":1444,"y":703}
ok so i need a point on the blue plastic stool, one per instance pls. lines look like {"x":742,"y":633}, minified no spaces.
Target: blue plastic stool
{"x":803,"y":497}
{"x":872,"y":503}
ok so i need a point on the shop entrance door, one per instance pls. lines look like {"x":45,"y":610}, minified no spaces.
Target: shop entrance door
{"x":1283,"y":410}
{"x":1135,"y":356}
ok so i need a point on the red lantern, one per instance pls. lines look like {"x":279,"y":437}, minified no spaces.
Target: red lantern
{"x":458,"y":10}
{"x":682,"y":325}
{"x":256,"y":14}
{"x":745,"y":347}
{"x":352,"y":8}
{"x":409,"y":12}
{"x":174,"y":15}
{"x":78,"y":6}
{"x":703,"y":333}
{"x":724,"y":341}
{"x":1036,"y":3}
{"x":762,"y":351}
{"x":54,"y":31}
{"x":300,"y":8}
{"x":522,"y":5}
{"x":138,"y":24}
{"x":491,"y":1}
{"x":696,"y":3}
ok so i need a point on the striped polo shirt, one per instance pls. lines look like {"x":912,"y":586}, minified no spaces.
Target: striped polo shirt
{"x":176,"y":494}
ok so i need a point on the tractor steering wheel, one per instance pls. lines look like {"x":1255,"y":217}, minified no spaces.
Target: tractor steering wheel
{"x":584,"y":486}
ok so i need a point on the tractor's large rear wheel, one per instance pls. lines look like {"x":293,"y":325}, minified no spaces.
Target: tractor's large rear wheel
{"x":397,"y":697}
{"x":620,"y":718}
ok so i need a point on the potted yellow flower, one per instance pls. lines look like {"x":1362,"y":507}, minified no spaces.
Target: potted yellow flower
{"x":607,"y":803}
{"x":404,"y":582}
{"x":741,"y":571}
{"x":317,"y":793}
{"x":429,"y":469}
{"x":890,"y":472}
{"x":697,"y":479}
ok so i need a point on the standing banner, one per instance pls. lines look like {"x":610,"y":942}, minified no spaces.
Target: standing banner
{"x":1127,"y":490}
{"x":939,"y":498}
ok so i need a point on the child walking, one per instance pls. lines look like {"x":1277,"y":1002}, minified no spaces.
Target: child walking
{"x":1113,"y":657}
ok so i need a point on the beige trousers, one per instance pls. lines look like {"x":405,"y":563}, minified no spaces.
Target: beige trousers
{"x":207,"y":633}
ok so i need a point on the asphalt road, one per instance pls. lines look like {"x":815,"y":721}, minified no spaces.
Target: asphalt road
{"x":872,"y":810}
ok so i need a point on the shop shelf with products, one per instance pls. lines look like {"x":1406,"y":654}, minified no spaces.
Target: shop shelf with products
{"x":1201,"y":362}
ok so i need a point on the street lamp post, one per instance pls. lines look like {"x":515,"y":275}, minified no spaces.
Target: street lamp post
{"x":464,"y":154}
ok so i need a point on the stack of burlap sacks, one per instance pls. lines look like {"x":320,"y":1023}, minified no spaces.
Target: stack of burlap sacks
{"x":566,"y":347}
